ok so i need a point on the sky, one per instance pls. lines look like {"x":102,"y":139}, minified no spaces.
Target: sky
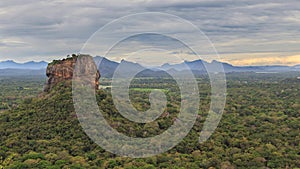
{"x":244,"y":32}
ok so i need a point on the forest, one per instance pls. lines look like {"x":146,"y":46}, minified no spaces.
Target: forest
{"x":259,"y":128}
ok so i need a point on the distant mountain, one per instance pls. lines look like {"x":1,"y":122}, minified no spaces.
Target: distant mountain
{"x":127,"y":67}
{"x":198,"y":67}
{"x":201,"y":66}
{"x":107,"y":68}
{"x":153,"y":73}
{"x":296,"y":67}
{"x":28,"y":65}
{"x":193,"y":65}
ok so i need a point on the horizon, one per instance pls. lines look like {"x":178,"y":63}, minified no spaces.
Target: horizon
{"x":146,"y":65}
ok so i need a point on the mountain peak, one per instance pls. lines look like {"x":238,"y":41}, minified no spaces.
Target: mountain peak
{"x":9,"y":61}
{"x":166,"y":64}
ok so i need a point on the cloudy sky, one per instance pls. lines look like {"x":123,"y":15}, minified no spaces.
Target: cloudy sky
{"x":244,"y":32}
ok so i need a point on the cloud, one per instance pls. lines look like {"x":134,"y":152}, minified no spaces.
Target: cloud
{"x":47,"y":30}
{"x":12,"y":43}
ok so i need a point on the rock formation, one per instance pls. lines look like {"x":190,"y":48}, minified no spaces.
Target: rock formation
{"x":62,"y":70}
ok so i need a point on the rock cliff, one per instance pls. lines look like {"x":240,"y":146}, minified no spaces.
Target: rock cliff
{"x":62,"y":70}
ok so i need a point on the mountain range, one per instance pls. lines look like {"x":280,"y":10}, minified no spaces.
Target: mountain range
{"x":108,"y":67}
{"x":9,"y":64}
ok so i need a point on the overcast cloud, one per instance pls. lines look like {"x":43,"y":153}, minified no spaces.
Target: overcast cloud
{"x":244,"y":32}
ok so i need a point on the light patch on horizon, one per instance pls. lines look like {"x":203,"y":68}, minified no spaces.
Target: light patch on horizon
{"x":250,"y":60}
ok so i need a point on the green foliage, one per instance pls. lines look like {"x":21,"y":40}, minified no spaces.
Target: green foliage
{"x":259,"y":129}
{"x":33,"y":155}
{"x":16,"y":90}
{"x":54,"y":62}
{"x":18,"y":165}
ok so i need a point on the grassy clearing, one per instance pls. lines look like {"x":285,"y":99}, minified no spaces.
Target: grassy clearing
{"x":147,"y":89}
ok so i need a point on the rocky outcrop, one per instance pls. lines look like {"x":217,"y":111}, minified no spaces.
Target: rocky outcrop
{"x":63,"y":70}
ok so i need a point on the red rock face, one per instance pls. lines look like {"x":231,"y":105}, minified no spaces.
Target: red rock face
{"x":63,"y":70}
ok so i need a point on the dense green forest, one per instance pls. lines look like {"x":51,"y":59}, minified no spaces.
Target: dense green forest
{"x":259,"y":129}
{"x":14,"y":89}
